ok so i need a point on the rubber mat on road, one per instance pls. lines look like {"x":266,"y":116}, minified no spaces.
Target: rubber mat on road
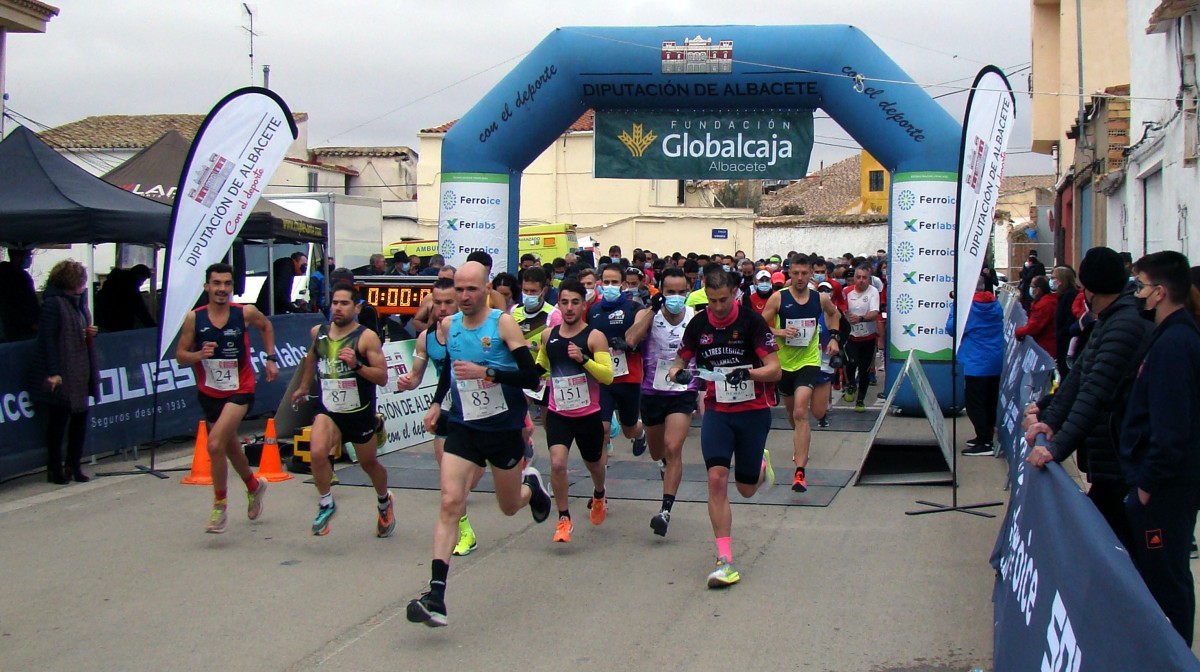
{"x":697,"y":492}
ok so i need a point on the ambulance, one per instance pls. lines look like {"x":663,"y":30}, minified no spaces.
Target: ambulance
{"x":545,"y":241}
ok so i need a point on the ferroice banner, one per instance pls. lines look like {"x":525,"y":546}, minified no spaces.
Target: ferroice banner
{"x":1066,"y":598}
{"x":474,"y":216}
{"x":236,"y":151}
{"x":733,"y":144}
{"x":991,"y":115}
{"x":921,"y":264}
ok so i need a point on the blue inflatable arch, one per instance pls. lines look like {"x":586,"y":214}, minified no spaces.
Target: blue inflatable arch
{"x":761,"y":67}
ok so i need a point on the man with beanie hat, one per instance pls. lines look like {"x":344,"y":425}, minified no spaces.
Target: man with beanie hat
{"x":1076,"y":418}
{"x":1033,"y":269}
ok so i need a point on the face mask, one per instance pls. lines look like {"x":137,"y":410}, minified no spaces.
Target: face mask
{"x":1146,"y":311}
{"x":559,"y":276}
{"x":1031,"y":295}
{"x":647,"y":265}
{"x":819,"y":277}
{"x":590,"y":296}
{"x":675,"y":304}
{"x":531,"y":302}
{"x":726,"y":267}
{"x":773,"y":267}
{"x":1053,"y":285}
{"x":405,"y":267}
{"x":764,"y":288}
{"x":610,"y":293}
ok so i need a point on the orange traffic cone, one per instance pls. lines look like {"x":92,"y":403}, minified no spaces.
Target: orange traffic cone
{"x":269,"y":465}
{"x":201,"y":463}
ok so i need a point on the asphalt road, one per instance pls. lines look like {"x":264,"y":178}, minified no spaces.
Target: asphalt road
{"x":118,"y":574}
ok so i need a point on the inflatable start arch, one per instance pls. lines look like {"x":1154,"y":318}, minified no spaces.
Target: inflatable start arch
{"x":834,"y":68}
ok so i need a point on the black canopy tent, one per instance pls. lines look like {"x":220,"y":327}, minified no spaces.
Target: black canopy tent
{"x":45,"y":199}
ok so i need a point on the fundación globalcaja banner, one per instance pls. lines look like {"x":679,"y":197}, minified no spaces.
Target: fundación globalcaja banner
{"x":236,"y":151}
{"x":922,"y":264}
{"x":474,"y":216}
{"x":991,"y":114}
{"x":736,"y":145}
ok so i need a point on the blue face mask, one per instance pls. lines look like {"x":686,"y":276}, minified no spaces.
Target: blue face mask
{"x":531,"y":302}
{"x":1053,"y":285}
{"x":610,"y":293}
{"x":675,"y":304}
{"x":764,"y":287}
{"x":1031,"y":293}
{"x":559,"y":276}
{"x":819,"y":277}
{"x":725,"y":267}
{"x":404,"y":266}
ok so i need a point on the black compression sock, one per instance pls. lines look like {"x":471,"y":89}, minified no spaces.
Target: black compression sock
{"x":564,"y":514}
{"x":598,"y":494}
{"x":668,"y":502}
{"x":437,"y":584}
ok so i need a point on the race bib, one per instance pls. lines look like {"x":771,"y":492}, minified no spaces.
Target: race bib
{"x":860,"y":329}
{"x":481,"y":399}
{"x":221,"y":374}
{"x":620,"y":363}
{"x":340,"y":395}
{"x":734,"y":394}
{"x":806,"y":326}
{"x":661,"y":382}
{"x":538,"y":394}
{"x":571,"y":392}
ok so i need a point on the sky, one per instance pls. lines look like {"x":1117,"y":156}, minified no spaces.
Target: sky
{"x":375,"y":72}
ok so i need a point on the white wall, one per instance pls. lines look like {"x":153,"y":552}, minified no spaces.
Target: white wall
{"x":826,"y":240}
{"x":1154,"y":70}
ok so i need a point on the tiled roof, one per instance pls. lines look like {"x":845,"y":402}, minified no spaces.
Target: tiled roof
{"x":587,"y":122}
{"x":1013,"y":184}
{"x":821,"y":220}
{"x":398,"y":150}
{"x":126,"y":131}
{"x":827,"y":192}
{"x":321,"y":166}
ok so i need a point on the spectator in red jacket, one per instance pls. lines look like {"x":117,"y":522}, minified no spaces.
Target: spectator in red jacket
{"x":1041,"y":315}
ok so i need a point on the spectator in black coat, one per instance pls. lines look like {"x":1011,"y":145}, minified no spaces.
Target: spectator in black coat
{"x":284,"y":271}
{"x":119,"y":303}
{"x":18,"y":300}
{"x":1076,"y":419}
{"x":1033,"y":269}
{"x":64,"y":372}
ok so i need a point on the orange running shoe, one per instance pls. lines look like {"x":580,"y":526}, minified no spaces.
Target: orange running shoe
{"x":799,"y":483}
{"x":599,"y":509}
{"x":562,"y":533}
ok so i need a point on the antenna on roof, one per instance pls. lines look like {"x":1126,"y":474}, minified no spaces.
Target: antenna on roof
{"x":252,"y":34}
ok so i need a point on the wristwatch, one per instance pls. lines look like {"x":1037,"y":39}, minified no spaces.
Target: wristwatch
{"x":357,"y":366}
{"x":489,"y":374}
{"x":273,"y":358}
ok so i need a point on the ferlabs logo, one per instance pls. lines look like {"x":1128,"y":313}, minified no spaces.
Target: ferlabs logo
{"x":905,"y":252}
{"x":909,"y":330}
{"x":904,"y":304}
{"x":910,"y":278}
{"x":446,"y":249}
{"x":449,"y":199}
{"x":906,"y":200}
{"x":452,"y":224}
{"x":638,"y":141}
{"x":910,"y":225}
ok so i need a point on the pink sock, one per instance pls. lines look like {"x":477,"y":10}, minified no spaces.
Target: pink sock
{"x":725,"y":548}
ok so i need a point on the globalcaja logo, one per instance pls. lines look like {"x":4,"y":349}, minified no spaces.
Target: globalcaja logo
{"x":905,"y":252}
{"x":910,"y":225}
{"x":904,"y":304}
{"x":906,"y":200}
{"x":638,"y":141}
{"x":910,"y":278}
{"x":446,"y":249}
{"x":449,"y":199}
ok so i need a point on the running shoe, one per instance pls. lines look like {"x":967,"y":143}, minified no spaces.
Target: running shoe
{"x":977,"y":450}
{"x":724,"y":575}
{"x":660,"y":521}
{"x":429,"y":610}
{"x":860,"y":407}
{"x":975,"y":442}
{"x":823,"y":423}
{"x":466,"y":538}
{"x":799,"y":483}
{"x":320,"y":526}
{"x":386,"y":523}
{"x":850,"y":394}
{"x":1194,"y":554}
{"x":380,"y":431}
{"x":562,"y":533}
{"x":599,"y":509}
{"x":639,"y":445}
{"x":872,"y":379}
{"x":255,"y":499}
{"x":769,"y":475}
{"x":539,"y":499}
{"x":217,"y":519}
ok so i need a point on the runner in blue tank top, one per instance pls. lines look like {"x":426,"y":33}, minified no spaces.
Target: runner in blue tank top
{"x":214,"y":340}
{"x":488,"y":365}
{"x":430,"y":350}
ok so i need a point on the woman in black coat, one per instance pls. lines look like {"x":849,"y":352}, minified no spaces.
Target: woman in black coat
{"x":1063,"y":283}
{"x":65,"y":371}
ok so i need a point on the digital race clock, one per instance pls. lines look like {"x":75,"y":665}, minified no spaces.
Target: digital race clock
{"x":395,"y":295}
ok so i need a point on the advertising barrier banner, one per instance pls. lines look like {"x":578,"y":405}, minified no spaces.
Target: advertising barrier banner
{"x":727,"y":144}
{"x":122,"y":415}
{"x":921,"y":264}
{"x":404,"y":412}
{"x":1067,"y":596}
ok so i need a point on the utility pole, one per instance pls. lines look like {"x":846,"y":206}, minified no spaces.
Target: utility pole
{"x":252,"y":34}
